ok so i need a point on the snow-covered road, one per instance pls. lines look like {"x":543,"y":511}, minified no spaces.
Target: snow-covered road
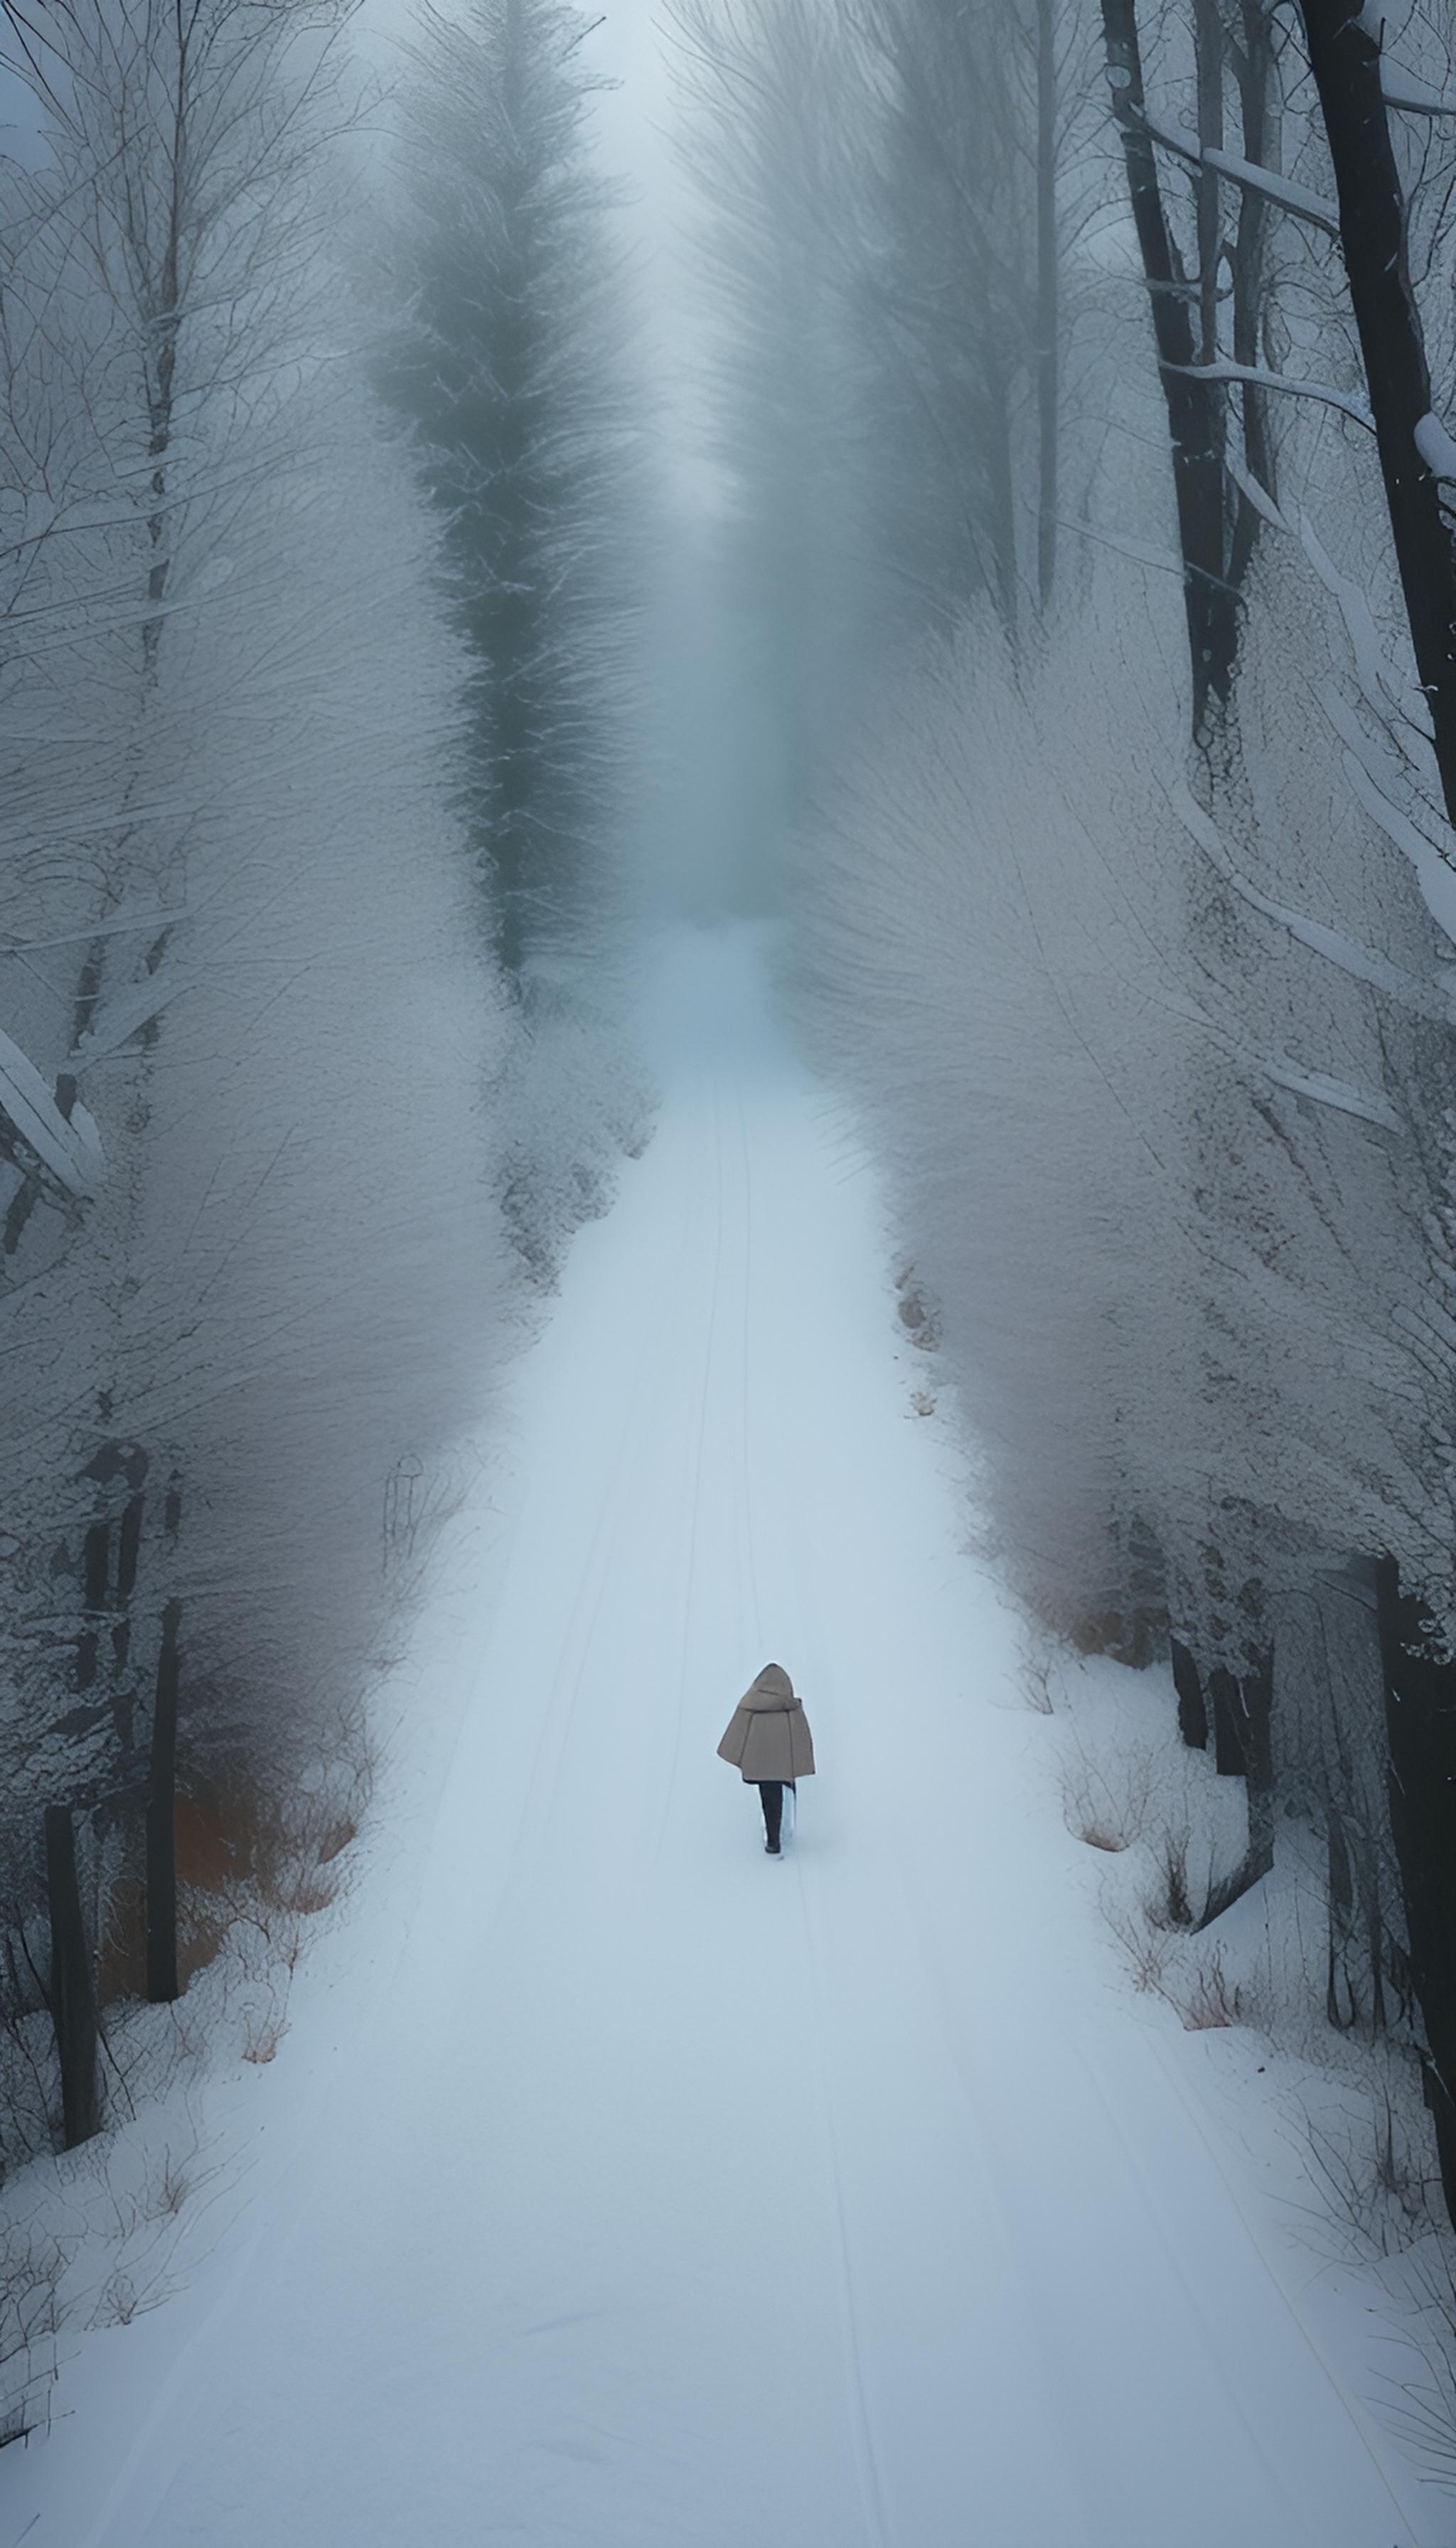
{"x":648,"y":2193}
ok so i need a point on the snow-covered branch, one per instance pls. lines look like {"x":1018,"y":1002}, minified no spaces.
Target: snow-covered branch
{"x":1284,"y":192}
{"x":1436,"y":449}
{"x":125,"y":1014}
{"x":1257,"y":375}
{"x":67,"y":1146}
{"x":1411,"y":95}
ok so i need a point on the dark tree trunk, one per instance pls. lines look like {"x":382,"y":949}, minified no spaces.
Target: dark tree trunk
{"x":1254,"y":1709}
{"x":1254,"y":66}
{"x":1243,"y":1748}
{"x":73,"y":1987}
{"x":1227,"y":1749}
{"x":161,"y":1820}
{"x":1341,"y":2012}
{"x":1208,"y":47}
{"x":1256,"y":1733}
{"x":1049,"y":277}
{"x":1344,"y":56}
{"x":1196,"y":414}
{"x":1192,"y":1714}
{"x":1420,"y":1717}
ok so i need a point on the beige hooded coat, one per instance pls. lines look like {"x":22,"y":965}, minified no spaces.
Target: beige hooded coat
{"x":767,"y":1733}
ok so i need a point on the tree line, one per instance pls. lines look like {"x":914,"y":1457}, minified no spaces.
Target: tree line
{"x":1101,"y":355}
{"x":311,"y":803}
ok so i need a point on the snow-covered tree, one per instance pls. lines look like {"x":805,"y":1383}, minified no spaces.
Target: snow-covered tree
{"x":503,"y":328}
{"x":1345,"y":147}
{"x":1156,"y":1039}
{"x":251,"y":1256}
{"x":507,"y":366}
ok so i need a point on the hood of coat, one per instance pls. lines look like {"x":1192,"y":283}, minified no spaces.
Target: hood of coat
{"x":772,"y":1689}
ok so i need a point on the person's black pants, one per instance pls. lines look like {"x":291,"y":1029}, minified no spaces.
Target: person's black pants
{"x":770,"y":1794}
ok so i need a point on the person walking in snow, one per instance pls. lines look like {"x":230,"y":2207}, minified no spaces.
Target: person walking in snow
{"x":769,"y":1742}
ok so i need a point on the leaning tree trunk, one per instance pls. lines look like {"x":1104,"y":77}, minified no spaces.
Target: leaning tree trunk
{"x":1208,"y":48}
{"x":1195,"y":408}
{"x":1344,"y":56}
{"x":1048,"y":316}
{"x":1420,"y":1718}
{"x":1254,"y":66}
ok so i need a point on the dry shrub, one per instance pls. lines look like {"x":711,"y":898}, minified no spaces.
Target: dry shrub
{"x":1131,"y":1637}
{"x":1421,"y":2413}
{"x":268,"y":1857}
{"x":1036,"y":1680}
{"x":172,"y":2187}
{"x":118,"y":2300}
{"x":32,"y":2266}
{"x":1107,"y":1804}
{"x":121,"y":1960}
{"x":201,"y":1932}
{"x":238,"y":1847}
{"x":1211,"y":2000}
{"x":1172,"y":1906}
{"x":1376,"y":2165}
{"x":266,"y":2030}
{"x":335,"y":1837}
{"x":310,"y":1892}
{"x":261,"y":1864}
{"x":29,"y":2090}
{"x":1145,"y":1949}
{"x":239,"y":1850}
{"x":1203,"y":1998}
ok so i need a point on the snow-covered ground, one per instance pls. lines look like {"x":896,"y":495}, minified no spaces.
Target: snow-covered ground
{"x":619,"y":2187}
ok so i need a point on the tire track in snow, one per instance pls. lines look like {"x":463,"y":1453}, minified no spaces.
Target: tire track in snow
{"x":1160,"y":2237}
{"x":694,"y":1499}
{"x":1199,"y":2126}
{"x":939,"y":1998}
{"x":139,"y":2483}
{"x":817,"y":1645}
{"x":745,"y":1451}
{"x":607,"y":1533}
{"x":880,"y":2527}
{"x":879,"y":2530}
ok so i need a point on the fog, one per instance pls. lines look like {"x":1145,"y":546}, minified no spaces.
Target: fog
{"x":966,"y":482}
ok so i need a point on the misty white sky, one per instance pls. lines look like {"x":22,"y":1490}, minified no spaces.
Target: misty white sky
{"x":634,"y":45}
{"x":641,"y":140}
